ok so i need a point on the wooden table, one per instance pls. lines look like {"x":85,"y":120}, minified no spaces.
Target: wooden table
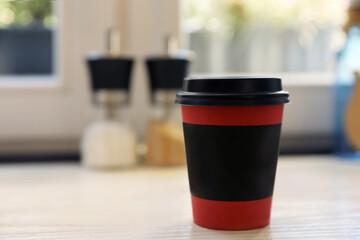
{"x":316,"y":197}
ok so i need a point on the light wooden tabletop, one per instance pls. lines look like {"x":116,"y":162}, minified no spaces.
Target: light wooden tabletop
{"x":316,"y":197}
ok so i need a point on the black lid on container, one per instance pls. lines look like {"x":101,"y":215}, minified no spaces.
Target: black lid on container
{"x":232,"y":91}
{"x":110,"y":72}
{"x":166,"y":72}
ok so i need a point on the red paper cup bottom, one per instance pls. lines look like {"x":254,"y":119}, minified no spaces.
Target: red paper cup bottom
{"x":231,"y":215}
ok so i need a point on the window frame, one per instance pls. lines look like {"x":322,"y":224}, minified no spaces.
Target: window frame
{"x":19,"y":84}
{"x":50,"y":112}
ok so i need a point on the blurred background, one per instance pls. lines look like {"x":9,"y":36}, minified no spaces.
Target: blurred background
{"x":45,"y":94}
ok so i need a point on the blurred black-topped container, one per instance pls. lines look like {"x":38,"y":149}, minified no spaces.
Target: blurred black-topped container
{"x":109,"y":142}
{"x":110,"y":72}
{"x":166,"y":73}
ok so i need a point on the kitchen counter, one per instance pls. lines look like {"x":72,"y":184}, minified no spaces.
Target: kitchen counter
{"x":316,"y":197}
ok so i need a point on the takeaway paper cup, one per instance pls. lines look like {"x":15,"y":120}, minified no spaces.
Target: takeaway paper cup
{"x":232,"y":130}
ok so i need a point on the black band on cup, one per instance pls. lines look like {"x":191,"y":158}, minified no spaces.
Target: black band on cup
{"x":232,"y":163}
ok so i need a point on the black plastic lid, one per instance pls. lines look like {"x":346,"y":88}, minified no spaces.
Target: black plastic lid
{"x":232,"y":91}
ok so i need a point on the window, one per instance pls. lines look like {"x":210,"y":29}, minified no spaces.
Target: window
{"x":27,"y":37}
{"x":296,"y":40}
{"x":46,"y":111}
{"x":263,"y":35}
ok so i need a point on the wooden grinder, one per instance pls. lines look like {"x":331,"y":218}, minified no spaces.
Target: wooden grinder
{"x":352,"y":118}
{"x":165,"y":142}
